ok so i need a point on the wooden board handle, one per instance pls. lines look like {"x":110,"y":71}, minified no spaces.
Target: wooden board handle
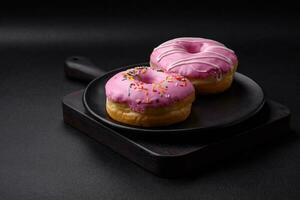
{"x":81,"y":68}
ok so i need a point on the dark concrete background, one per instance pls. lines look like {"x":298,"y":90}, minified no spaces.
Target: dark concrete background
{"x":42,"y":158}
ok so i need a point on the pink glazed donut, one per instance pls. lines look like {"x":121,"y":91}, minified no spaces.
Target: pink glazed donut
{"x":147,"y":97}
{"x":208,"y":64}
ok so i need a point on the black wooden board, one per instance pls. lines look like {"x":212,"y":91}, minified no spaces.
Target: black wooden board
{"x":179,"y":156}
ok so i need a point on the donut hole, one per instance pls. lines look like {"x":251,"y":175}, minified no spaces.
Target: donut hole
{"x":148,"y":79}
{"x":151,"y":76}
{"x":192,"y":47}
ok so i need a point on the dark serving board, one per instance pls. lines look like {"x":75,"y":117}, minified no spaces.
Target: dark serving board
{"x":173,"y":157}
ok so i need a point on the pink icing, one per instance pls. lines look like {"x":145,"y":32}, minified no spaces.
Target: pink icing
{"x":144,"y":87}
{"x":194,"y":57}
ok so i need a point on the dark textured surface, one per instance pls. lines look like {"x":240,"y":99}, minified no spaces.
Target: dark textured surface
{"x":42,"y":158}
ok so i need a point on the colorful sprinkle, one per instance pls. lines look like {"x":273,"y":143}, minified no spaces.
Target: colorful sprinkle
{"x":147,"y":100}
{"x":138,"y":101}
